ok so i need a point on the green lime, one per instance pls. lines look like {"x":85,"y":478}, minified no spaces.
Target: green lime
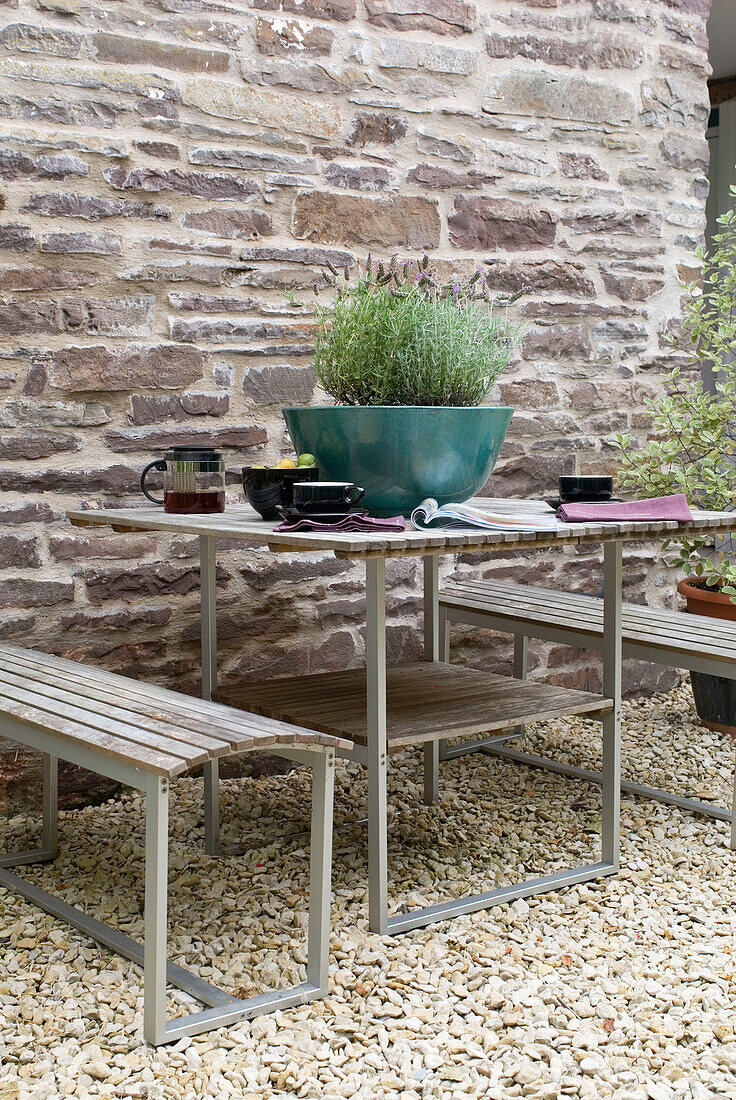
{"x":306,"y":460}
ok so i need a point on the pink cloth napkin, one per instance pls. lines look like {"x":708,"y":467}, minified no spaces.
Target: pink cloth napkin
{"x":672,"y":507}
{"x":347,"y":523}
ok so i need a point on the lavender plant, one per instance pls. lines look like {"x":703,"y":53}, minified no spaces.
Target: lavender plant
{"x":397,"y":335}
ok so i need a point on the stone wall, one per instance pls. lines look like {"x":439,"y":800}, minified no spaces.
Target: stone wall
{"x":169,"y":168}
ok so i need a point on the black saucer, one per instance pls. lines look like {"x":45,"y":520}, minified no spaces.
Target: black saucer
{"x":291,"y":514}
{"x":555,"y":502}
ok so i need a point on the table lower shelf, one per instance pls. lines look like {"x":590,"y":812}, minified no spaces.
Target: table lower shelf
{"x":424,"y":702}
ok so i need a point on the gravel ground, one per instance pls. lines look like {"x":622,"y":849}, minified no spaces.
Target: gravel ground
{"x":622,"y":988}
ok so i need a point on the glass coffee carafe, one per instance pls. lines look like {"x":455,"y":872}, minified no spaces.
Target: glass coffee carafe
{"x":194,"y":480}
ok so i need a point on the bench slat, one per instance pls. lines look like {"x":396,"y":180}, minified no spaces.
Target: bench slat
{"x":218,"y":724}
{"x":550,"y":604}
{"x":100,"y":710}
{"x":201,"y":715}
{"x":143,"y":725}
{"x":148,"y":758}
{"x":672,"y":631}
{"x":546,"y":598}
{"x":555,"y":608}
{"x":239,"y":729}
{"x":92,"y":725}
{"x":134,"y":704}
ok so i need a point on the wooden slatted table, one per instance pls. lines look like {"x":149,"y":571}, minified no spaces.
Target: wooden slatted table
{"x":376,"y":708}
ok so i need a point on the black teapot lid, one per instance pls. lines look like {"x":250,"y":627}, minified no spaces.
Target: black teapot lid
{"x":181,"y":452}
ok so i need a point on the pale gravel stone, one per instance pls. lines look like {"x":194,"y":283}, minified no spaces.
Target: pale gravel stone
{"x":622,"y":988}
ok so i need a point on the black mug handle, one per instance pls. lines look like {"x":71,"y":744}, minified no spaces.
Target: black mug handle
{"x":158,"y":464}
{"x":353,"y":495}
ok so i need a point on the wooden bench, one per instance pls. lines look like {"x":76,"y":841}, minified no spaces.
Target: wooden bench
{"x":672,"y":638}
{"x":143,"y":736}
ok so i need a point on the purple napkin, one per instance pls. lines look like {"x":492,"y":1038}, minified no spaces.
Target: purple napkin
{"x":672,"y":507}
{"x":355,"y":522}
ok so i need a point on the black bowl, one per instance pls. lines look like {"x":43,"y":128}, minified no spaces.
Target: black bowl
{"x":591,"y":488}
{"x":268,"y":490}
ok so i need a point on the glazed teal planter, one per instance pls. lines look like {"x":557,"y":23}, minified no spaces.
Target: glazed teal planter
{"x":401,"y":454}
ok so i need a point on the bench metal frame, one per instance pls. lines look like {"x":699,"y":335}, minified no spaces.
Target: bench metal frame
{"x":522,"y":630}
{"x":221,"y":1008}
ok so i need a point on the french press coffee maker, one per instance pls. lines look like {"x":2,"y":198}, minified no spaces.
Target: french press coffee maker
{"x":194,"y":480}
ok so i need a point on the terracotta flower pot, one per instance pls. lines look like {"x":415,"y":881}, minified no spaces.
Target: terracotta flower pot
{"x":715,"y":696}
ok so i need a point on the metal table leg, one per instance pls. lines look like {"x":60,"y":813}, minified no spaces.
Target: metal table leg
{"x":208,"y":610}
{"x":376,"y":755}
{"x":610,"y":779}
{"x":611,"y":774}
{"x":443,"y":629}
{"x":431,"y":653}
{"x":208,"y":613}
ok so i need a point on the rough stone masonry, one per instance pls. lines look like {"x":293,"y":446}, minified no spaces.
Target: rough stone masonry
{"x":169,"y":168}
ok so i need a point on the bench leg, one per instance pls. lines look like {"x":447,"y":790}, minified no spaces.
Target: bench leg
{"x":50,"y":817}
{"x":154,"y":944}
{"x":211,"y":771}
{"x":431,"y":653}
{"x":521,"y":650}
{"x":692,"y":805}
{"x":221,"y":1008}
{"x":320,"y":871}
{"x":50,"y":833}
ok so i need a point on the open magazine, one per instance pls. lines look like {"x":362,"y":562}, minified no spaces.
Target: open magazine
{"x":463,"y":516}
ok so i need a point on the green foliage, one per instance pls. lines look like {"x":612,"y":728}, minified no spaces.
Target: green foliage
{"x":692,"y":449}
{"x":398,"y":336}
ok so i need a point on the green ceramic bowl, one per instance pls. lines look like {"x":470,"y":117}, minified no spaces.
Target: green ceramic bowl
{"x":401,"y":454}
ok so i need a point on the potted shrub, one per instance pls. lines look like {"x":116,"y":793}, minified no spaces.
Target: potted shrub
{"x":692,"y":450}
{"x":408,"y":360}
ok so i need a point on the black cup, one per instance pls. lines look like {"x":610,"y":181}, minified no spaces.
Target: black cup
{"x":268,"y":490}
{"x":592,"y":488}
{"x":326,"y":496}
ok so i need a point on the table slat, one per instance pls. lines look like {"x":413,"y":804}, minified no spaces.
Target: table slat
{"x":241,"y":522}
{"x":425,"y":702}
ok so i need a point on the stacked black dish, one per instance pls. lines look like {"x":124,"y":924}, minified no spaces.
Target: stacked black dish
{"x":269,"y":490}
